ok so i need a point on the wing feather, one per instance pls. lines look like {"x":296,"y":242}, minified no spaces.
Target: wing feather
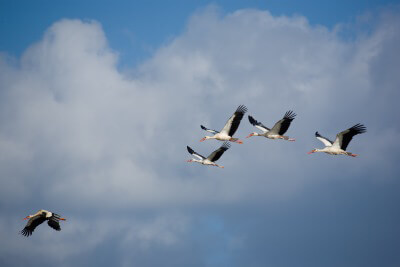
{"x":214,"y":156}
{"x":54,"y":223}
{"x":324,"y":140}
{"x":258,"y":125}
{"x":208,"y":130}
{"x":32,"y":224}
{"x":283,"y":125}
{"x":191,"y":151}
{"x":343,"y":138}
{"x":234,"y":121}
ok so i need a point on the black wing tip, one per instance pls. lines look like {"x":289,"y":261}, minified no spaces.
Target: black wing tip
{"x":226,"y":145}
{"x":317,"y":134}
{"x":241,"y":109}
{"x":202,"y":127}
{"x":189,"y":149}
{"x":252,"y":120}
{"x":26,"y":232}
{"x":359,"y":128}
{"x":290,"y":115}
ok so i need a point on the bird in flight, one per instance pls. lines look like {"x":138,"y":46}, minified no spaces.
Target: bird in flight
{"x":38,"y":218}
{"x":279,"y":129}
{"x":210,"y":160}
{"x":229,"y":129}
{"x":338,"y":147}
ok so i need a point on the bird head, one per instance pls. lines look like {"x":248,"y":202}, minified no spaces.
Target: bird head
{"x":252,"y":134}
{"x":312,"y":151}
{"x":204,"y":138}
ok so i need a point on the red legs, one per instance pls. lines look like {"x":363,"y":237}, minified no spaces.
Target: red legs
{"x":287,"y":138}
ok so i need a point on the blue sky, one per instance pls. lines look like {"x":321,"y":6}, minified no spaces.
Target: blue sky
{"x":99,"y":100}
{"x":136,"y":28}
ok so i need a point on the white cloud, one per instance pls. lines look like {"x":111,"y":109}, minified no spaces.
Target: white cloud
{"x":79,"y":135}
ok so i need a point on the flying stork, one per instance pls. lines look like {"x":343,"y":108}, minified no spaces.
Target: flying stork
{"x":38,"y":218}
{"x":229,"y":129}
{"x":277,"y":131}
{"x":341,"y":142}
{"x":210,"y":160}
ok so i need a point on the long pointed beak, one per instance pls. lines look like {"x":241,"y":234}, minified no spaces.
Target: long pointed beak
{"x":26,"y":218}
{"x":250,"y":135}
{"x":310,"y":152}
{"x":201,"y":140}
{"x":63,"y":219}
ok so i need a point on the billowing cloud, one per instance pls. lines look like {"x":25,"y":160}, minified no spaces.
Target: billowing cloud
{"x":80,"y":137}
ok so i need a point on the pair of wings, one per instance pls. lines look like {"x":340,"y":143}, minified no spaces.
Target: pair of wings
{"x":279,"y":128}
{"x":232,"y":124}
{"x":214,"y":156}
{"x":343,"y":138}
{"x":33,"y":222}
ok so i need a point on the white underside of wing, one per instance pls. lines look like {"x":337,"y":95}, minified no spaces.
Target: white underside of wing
{"x":261,"y":128}
{"x":211,"y":131}
{"x":336,"y":143}
{"x":198,"y":156}
{"x":228,"y":125}
{"x":324,"y":141}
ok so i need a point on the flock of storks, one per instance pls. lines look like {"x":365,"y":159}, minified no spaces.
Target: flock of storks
{"x":338,"y":147}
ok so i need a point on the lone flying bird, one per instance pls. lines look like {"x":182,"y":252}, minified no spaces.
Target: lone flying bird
{"x":38,"y":218}
{"x":279,"y":129}
{"x":229,"y":129}
{"x":341,"y":142}
{"x":210,"y":160}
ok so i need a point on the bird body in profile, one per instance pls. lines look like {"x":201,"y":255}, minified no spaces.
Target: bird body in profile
{"x":229,"y":129}
{"x":338,"y":147}
{"x":210,"y":160}
{"x":38,"y":218}
{"x":276,"y":132}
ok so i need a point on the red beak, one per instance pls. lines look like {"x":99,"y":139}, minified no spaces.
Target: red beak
{"x":312,"y":151}
{"x":250,"y":135}
{"x":202,"y":139}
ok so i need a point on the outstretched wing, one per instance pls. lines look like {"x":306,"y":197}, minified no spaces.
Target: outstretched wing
{"x":283,"y":125}
{"x":54,"y":223}
{"x":191,"y":151}
{"x":233,"y":123}
{"x":258,"y":125}
{"x":208,"y":130}
{"x":218,"y":153}
{"x":343,"y":138}
{"x":324,"y":140}
{"x":32,"y":224}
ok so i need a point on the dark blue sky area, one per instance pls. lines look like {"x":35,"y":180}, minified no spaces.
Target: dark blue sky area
{"x":136,"y":28}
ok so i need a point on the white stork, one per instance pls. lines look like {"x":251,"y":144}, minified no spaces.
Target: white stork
{"x":229,"y":129}
{"x":277,"y":131}
{"x":210,"y":160}
{"x":38,"y":218}
{"x":341,"y":142}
